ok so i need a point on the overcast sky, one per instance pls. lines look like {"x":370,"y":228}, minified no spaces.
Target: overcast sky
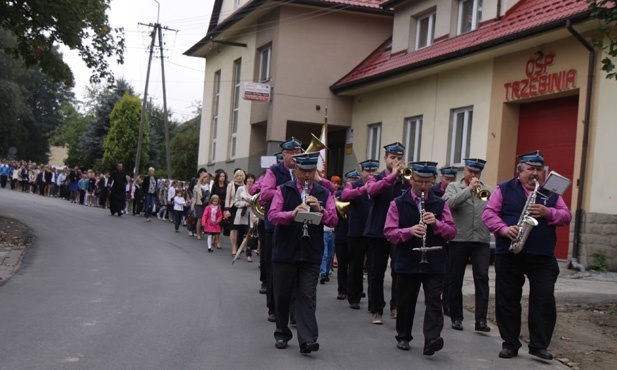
{"x":183,"y":74}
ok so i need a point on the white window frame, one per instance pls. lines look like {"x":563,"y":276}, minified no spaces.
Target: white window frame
{"x":465,"y":139}
{"x":373,"y":144}
{"x":216,"y":98}
{"x":430,"y":35}
{"x":265,"y":53}
{"x":235,"y":108}
{"x":475,"y":17}
{"x":412,"y":138}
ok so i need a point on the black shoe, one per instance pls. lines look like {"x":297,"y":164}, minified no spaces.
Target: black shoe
{"x":341,"y":296}
{"x":354,"y":306}
{"x":271,"y":317}
{"x":446,"y":312}
{"x":280,"y":344}
{"x":457,"y":325}
{"x":542,"y":353}
{"x":403,"y":344}
{"x":309,"y":347}
{"x":433,"y":346}
{"x":292,"y":322}
{"x":263,"y":289}
{"x":327,"y":278}
{"x":363,"y":295}
{"x":508,"y":353}
{"x":481,"y":326}
{"x":322,"y":279}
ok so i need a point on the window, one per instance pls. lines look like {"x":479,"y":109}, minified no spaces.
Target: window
{"x":233,"y":133}
{"x":460,"y":135}
{"x":412,"y":134}
{"x":265,"y":55}
{"x":215,"y":114}
{"x":469,"y":15}
{"x":238,"y":3}
{"x":374,"y":141}
{"x":425,"y":31}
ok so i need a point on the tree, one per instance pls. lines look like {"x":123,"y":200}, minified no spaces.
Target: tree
{"x":75,"y":124}
{"x":120,"y":144}
{"x":83,"y":25}
{"x":101,"y":103}
{"x":605,"y":11}
{"x":184,"y":149}
{"x":31,"y":105}
{"x":156,"y":123}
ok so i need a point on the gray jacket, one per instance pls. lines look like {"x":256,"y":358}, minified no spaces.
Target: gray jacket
{"x":467,"y":213}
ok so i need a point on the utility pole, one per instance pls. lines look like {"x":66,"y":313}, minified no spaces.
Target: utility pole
{"x":157,"y":29}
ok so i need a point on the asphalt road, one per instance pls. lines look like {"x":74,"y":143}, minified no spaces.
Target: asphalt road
{"x":103,"y":292}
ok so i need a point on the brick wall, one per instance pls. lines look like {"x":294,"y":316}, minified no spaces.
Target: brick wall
{"x":598,"y":233}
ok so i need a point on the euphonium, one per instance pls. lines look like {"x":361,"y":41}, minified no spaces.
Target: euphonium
{"x":525,"y":223}
{"x":315,"y":145}
{"x":341,"y":208}
{"x":258,"y":209}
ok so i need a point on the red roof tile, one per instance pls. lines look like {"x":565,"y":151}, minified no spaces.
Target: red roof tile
{"x":524,"y":17}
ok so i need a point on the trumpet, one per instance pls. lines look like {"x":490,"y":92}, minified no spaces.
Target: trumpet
{"x":406,"y":173}
{"x":482,"y":194}
{"x":341,"y":208}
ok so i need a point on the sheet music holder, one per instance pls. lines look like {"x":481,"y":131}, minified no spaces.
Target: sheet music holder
{"x":556,"y":183}
{"x":311,"y":218}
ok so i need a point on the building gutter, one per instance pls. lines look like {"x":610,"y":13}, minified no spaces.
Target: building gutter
{"x":578,"y":216}
{"x":459,"y":54}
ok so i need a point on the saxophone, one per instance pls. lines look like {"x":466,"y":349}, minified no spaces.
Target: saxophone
{"x":525,"y":223}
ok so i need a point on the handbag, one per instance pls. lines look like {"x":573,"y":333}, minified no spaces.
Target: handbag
{"x":191,"y":220}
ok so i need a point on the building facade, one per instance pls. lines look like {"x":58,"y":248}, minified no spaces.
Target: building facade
{"x":299,"y":49}
{"x":492,"y":79}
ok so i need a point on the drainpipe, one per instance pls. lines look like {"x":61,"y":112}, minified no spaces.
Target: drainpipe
{"x":578,"y":216}
{"x":498,"y":10}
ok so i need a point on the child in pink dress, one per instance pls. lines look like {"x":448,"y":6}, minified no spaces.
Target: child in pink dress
{"x":211,"y":219}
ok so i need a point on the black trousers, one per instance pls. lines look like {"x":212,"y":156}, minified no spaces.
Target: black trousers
{"x":342,"y":271}
{"x":3,"y":180}
{"x":299,"y":280}
{"x":261,"y":230}
{"x":407,"y":296}
{"x":266,"y":250}
{"x":358,"y":246}
{"x":459,"y":254}
{"x":542,"y":272}
{"x":380,"y":250}
{"x":445,"y":294}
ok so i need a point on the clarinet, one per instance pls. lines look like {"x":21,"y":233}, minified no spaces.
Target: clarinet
{"x":424,"y":248}
{"x":305,"y":233}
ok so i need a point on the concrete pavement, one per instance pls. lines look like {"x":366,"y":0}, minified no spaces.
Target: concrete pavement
{"x":103,"y":292}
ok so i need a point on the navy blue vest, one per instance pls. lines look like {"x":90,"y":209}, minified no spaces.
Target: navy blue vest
{"x":379,"y":207}
{"x":542,"y":238}
{"x":287,"y":244}
{"x":358,"y":211}
{"x":407,"y":261}
{"x":340,"y":231}
{"x":282,"y":176}
{"x":436,"y":189}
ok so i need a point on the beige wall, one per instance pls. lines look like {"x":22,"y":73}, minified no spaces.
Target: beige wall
{"x":433,"y":97}
{"x":57,"y":155}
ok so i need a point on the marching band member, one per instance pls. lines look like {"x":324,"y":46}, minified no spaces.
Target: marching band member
{"x":296,"y":260}
{"x":448,"y":175}
{"x":404,"y":229}
{"x":276,"y":175}
{"x":472,"y":241}
{"x":536,"y":260}
{"x":382,"y":188}
{"x":357,"y":214}
{"x":341,"y":242}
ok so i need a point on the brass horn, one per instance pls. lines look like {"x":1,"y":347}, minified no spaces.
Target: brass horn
{"x":341,"y":208}
{"x":315,"y":145}
{"x":483,"y":194}
{"x":406,"y":173}
{"x":258,"y":209}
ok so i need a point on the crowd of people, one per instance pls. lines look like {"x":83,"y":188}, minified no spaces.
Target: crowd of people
{"x":303,"y":224}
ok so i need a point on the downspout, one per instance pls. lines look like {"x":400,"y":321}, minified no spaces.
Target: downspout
{"x":578,"y":216}
{"x":498,"y":10}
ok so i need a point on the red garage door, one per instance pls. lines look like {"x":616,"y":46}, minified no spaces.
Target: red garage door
{"x":550,"y":126}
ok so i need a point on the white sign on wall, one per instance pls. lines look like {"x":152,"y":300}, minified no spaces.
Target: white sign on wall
{"x":256,"y":92}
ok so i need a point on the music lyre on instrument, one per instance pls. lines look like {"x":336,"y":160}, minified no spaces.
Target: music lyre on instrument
{"x":424,"y":248}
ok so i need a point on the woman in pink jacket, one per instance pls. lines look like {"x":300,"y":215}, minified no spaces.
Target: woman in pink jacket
{"x":211,"y":219}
